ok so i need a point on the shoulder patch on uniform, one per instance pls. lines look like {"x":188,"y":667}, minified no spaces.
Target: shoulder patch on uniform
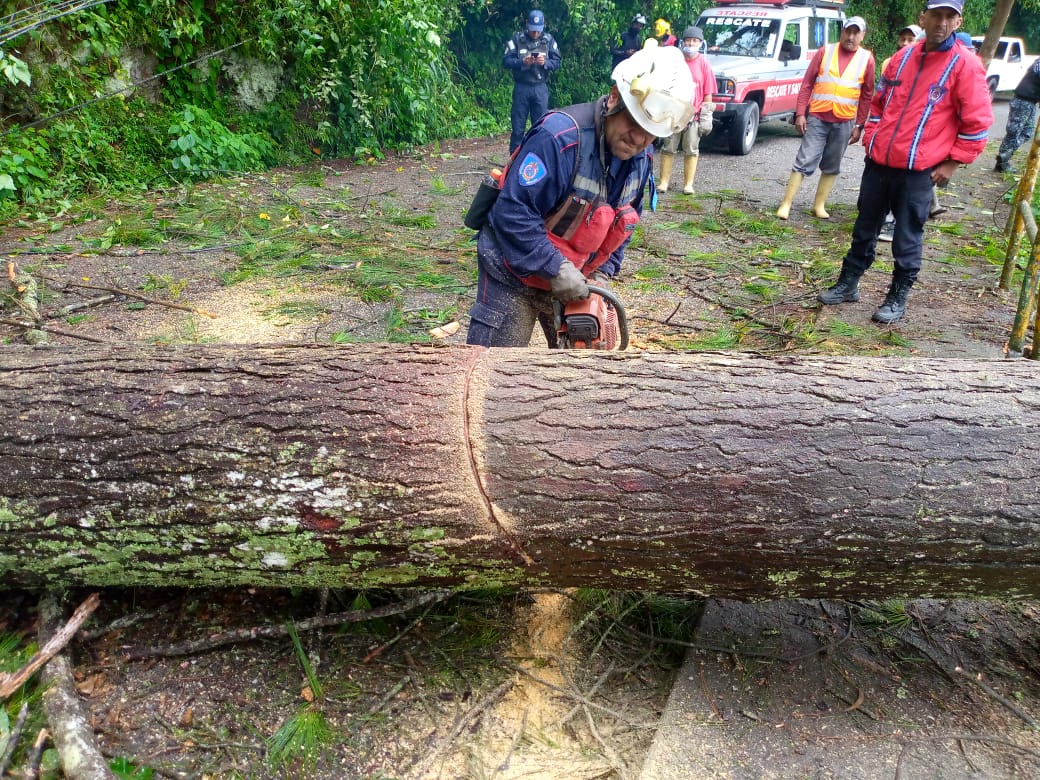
{"x":532,"y":170}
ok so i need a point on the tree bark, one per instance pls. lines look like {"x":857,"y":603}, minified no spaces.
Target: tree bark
{"x":385,"y":466}
{"x":997,"y":22}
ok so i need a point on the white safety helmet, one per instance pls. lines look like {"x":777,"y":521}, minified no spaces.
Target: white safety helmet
{"x":657,"y":89}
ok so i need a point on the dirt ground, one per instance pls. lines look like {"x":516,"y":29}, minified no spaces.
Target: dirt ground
{"x":541,"y":685}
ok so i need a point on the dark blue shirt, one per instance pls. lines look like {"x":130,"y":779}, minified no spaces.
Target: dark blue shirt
{"x":538,"y":179}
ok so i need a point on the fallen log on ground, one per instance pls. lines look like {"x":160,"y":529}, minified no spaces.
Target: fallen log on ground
{"x":381,"y":466}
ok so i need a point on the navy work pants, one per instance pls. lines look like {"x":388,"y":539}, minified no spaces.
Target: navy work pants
{"x":908,"y":195}
{"x":529,"y":100}
{"x":506,"y":310}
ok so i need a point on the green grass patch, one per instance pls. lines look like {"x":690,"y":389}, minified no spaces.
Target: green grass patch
{"x":950,"y":229}
{"x":164,"y":284}
{"x":691,"y":228}
{"x":843,"y":338}
{"x":309,"y":177}
{"x":650,"y":272}
{"x":128,"y":230}
{"x":400,"y":219}
{"x":392,"y":272}
{"x":301,"y":310}
{"x":761,"y":289}
{"x":270,"y":259}
{"x":714,"y":261}
{"x":187,"y":333}
{"x":724,"y":338}
{"x":439,"y":187}
{"x":783,"y":254}
{"x":737,"y":219}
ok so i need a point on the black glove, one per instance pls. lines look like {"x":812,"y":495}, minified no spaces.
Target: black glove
{"x":569,"y":284}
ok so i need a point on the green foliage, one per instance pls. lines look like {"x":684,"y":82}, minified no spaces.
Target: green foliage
{"x":23,"y":164}
{"x":125,"y":769}
{"x":200,"y":145}
{"x":301,"y":737}
{"x":227,"y":84}
{"x":14,"y":70}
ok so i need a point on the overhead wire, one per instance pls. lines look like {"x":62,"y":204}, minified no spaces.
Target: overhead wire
{"x":130,"y":87}
{"x":28,"y":19}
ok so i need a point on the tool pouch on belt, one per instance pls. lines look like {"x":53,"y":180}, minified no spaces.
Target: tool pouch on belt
{"x":624,"y":224}
{"x":485,"y":197}
{"x":578,"y":227}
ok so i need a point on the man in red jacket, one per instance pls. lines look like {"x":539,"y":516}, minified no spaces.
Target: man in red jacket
{"x":931,"y":113}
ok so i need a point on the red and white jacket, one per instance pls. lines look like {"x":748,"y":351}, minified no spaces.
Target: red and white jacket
{"x":929,"y":107}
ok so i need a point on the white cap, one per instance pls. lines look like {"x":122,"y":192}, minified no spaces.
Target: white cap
{"x":855,"y":21}
{"x":657,"y":89}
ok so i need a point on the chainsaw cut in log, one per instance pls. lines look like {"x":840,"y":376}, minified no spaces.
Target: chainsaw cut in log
{"x":385,"y":466}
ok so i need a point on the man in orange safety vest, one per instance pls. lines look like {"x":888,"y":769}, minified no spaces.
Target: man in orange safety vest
{"x":832,"y":108}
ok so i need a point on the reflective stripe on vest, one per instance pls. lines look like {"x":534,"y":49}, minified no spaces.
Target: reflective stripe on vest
{"x":839,"y":92}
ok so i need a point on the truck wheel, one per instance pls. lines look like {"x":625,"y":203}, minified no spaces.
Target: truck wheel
{"x":743,"y":130}
{"x":991,"y":82}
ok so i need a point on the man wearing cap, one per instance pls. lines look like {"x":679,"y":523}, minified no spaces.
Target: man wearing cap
{"x":571,"y":197}
{"x":631,"y":41}
{"x":906,"y":37}
{"x":531,"y":55}
{"x":832,"y":106}
{"x":931,"y":113}
{"x":689,"y":139}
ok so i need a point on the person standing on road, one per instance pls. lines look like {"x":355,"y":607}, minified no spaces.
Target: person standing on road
{"x":689,"y":138}
{"x":832,"y":107}
{"x":631,"y":41}
{"x":531,"y":55}
{"x":930,"y":114}
{"x":1021,"y":121}
{"x":571,"y":197}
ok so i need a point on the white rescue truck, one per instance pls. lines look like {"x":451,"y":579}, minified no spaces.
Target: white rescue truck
{"x":759,"y":52}
{"x":1009,"y":64}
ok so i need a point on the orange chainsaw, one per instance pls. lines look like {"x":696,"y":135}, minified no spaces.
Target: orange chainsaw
{"x":597,"y":322}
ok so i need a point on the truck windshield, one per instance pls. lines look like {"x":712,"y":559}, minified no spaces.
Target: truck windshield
{"x":741,"y":36}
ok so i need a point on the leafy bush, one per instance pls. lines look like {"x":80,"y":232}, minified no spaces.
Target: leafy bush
{"x":23,"y":168}
{"x":201,"y":145}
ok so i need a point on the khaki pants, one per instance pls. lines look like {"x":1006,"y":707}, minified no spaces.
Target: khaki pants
{"x":688,"y":141}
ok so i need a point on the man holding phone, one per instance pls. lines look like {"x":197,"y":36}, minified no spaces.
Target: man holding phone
{"x":531,"y":55}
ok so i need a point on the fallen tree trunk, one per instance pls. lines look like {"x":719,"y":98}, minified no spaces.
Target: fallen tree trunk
{"x":385,"y":466}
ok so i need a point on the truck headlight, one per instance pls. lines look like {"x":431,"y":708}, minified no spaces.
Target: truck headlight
{"x":725,"y":86}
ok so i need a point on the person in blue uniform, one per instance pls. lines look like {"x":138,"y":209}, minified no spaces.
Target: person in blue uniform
{"x":531,"y":55}
{"x":571,"y":197}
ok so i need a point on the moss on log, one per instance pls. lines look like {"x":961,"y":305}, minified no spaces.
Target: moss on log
{"x":381,"y":466}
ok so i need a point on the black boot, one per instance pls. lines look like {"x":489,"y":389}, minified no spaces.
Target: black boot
{"x":846,"y":289}
{"x":894,"y":306}
{"x":1003,"y":166}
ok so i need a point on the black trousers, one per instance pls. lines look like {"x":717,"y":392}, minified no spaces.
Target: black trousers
{"x":908,"y":195}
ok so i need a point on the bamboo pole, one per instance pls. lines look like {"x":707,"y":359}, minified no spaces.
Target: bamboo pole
{"x":1015,"y":223}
